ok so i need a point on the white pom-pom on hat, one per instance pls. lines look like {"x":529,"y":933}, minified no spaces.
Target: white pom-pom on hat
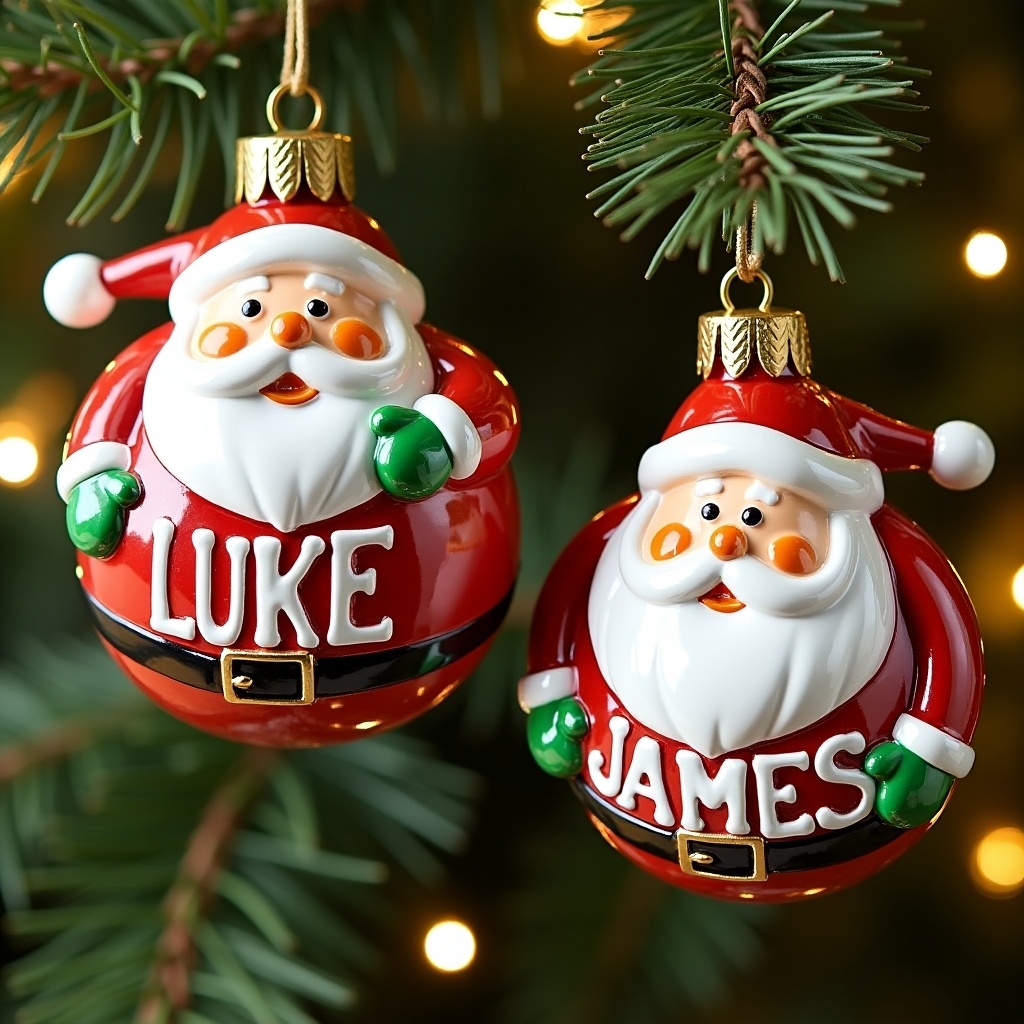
{"x":74,"y":293}
{"x":963,"y":455}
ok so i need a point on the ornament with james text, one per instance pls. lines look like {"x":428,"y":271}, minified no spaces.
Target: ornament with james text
{"x":761,"y":679}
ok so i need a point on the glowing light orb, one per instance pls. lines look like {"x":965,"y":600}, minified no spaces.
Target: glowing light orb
{"x":19,"y":460}
{"x":559,"y":21}
{"x":449,"y":946}
{"x":985,"y":254}
{"x":1017,"y":588}
{"x":998,"y":862}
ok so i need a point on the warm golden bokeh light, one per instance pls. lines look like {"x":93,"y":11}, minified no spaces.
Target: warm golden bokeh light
{"x":559,"y":21}
{"x":985,"y":254}
{"x":19,"y":459}
{"x":1017,"y":588}
{"x":449,"y":946}
{"x":998,"y":862}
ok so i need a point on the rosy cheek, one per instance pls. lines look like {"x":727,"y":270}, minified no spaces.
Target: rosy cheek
{"x":669,"y":541}
{"x":220,"y":340}
{"x":357,"y":339}
{"x":793,"y":555}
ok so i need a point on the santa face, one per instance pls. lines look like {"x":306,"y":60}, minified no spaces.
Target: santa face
{"x":727,"y":611}
{"x":262,"y":403}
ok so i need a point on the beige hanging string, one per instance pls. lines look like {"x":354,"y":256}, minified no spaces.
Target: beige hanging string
{"x":295,"y":67}
{"x":748,"y":260}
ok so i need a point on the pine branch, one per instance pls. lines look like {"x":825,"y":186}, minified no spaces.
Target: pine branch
{"x":163,"y":876}
{"x":144,"y":73}
{"x":168,"y":991}
{"x":711,"y":111}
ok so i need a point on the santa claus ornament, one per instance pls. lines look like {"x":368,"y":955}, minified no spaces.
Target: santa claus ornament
{"x":760,"y":678}
{"x":295,"y":518}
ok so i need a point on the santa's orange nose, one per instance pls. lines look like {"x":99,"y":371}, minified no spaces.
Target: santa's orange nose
{"x":727,"y":542}
{"x":290,"y":330}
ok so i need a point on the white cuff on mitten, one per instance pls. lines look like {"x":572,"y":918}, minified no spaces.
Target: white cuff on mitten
{"x":88,"y":461}
{"x":543,"y":687}
{"x":938,"y":748}
{"x":457,"y":430}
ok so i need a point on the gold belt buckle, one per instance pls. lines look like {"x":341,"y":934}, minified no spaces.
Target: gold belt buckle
{"x":690,"y":860}
{"x":233,"y":685}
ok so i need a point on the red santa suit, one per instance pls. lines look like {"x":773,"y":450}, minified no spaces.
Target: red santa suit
{"x":792,"y":813}
{"x":338,"y":628}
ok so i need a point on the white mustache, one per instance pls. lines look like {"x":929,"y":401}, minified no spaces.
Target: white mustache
{"x":259,"y":364}
{"x":690,"y":575}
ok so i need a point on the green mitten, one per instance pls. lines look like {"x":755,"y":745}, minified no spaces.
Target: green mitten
{"x":553,"y":732}
{"x":910,"y":790}
{"x":412,"y":459}
{"x":95,"y":514}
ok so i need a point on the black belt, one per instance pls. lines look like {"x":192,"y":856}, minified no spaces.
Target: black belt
{"x":293,"y":677}
{"x":740,"y":858}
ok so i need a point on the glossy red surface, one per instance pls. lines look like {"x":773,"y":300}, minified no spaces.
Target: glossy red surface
{"x":454,"y":556}
{"x":803,"y":408}
{"x":933,"y":669}
{"x":148,"y":273}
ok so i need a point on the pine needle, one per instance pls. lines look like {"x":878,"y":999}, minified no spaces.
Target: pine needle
{"x":668,"y":114}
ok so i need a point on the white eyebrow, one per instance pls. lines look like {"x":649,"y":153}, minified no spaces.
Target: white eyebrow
{"x":712,"y":485}
{"x":260,"y":283}
{"x":760,"y":492}
{"x":323,"y":283}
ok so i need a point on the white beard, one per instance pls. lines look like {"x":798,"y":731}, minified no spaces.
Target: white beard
{"x":287,"y":465}
{"x":721,"y":681}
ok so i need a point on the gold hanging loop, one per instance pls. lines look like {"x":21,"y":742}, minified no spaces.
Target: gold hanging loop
{"x":775,"y":338}
{"x":760,"y":275}
{"x":292,"y":160}
{"x":274,"y":103}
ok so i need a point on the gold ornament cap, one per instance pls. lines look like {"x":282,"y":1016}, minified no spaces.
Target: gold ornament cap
{"x":776,"y":336}
{"x":289,"y":159}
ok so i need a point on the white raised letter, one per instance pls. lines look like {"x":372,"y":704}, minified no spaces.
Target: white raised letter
{"x":345,"y":582}
{"x":159,"y":608}
{"x":728,"y":787}
{"x":276,"y":593}
{"x":765,"y":766}
{"x":829,"y":771}
{"x":610,"y":784}
{"x":238,"y":552}
{"x":646,"y":763}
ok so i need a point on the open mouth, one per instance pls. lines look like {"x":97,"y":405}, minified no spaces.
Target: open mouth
{"x":721,"y":599}
{"x":289,"y":389}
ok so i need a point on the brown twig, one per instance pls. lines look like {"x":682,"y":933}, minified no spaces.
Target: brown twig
{"x":750,"y":87}
{"x":168,"y":991}
{"x":248,"y":27}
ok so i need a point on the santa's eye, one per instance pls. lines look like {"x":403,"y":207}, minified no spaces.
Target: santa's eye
{"x":318,"y":309}
{"x":252,"y":307}
{"x":752,"y":516}
{"x":710,"y":512}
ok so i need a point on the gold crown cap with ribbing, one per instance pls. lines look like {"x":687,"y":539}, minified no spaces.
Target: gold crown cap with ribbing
{"x":288,"y":159}
{"x":774,"y":336}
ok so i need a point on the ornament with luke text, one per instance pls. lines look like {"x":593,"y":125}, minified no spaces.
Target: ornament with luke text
{"x":295,"y":517}
{"x":762,"y":679}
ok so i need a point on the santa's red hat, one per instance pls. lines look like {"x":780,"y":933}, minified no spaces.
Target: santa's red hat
{"x":304,"y":234}
{"x":757,"y":412}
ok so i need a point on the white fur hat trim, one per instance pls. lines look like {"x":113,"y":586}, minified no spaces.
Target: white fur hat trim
{"x":300,"y":249}
{"x":836,"y":482}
